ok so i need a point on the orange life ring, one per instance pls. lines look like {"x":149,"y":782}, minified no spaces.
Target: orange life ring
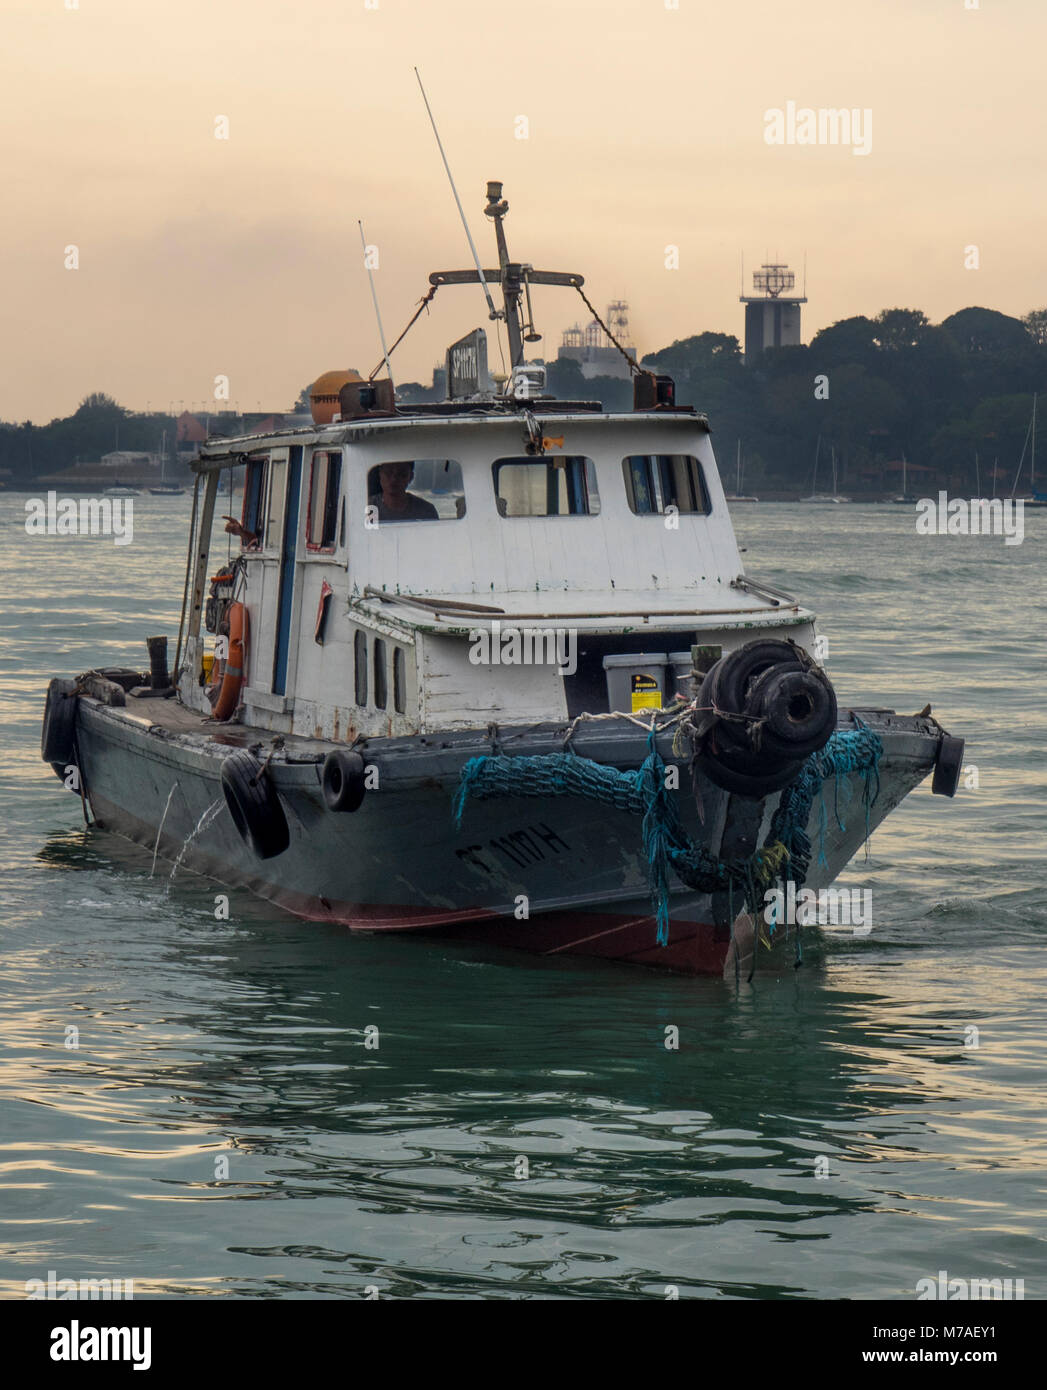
{"x":235,"y":665}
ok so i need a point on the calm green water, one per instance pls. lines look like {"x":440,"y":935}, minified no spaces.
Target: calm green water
{"x":397,"y":1168}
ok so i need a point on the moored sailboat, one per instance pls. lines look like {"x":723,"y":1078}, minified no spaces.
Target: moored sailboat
{"x":833,"y":499}
{"x":163,"y":487}
{"x":1036,"y":499}
{"x":737,"y":495}
{"x":906,"y":496}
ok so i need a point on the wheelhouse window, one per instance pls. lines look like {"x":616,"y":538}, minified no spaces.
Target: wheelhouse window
{"x":415,"y":490}
{"x":656,"y":482}
{"x":549,"y":485}
{"x":253,"y":513}
{"x":276,"y":496}
{"x":325,"y":480}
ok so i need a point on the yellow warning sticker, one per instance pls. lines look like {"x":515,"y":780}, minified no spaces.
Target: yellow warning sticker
{"x":646,"y":693}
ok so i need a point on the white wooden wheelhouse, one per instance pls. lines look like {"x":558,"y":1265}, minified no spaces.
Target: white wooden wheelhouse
{"x":610,"y":530}
{"x":617,"y":533}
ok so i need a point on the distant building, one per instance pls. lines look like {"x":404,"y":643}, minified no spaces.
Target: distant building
{"x":772,"y":316}
{"x":192,"y":430}
{"x":189,"y":430}
{"x":593,"y":350}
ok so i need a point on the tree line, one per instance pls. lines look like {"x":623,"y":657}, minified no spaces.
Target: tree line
{"x":952,"y":397}
{"x":873,"y":390}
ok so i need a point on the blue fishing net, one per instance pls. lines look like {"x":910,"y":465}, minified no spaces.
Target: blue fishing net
{"x":785,"y":853}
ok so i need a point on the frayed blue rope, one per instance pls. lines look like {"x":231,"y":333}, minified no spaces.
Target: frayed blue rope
{"x":643,"y":791}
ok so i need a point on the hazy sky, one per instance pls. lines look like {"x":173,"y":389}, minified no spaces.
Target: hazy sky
{"x":241,"y":257}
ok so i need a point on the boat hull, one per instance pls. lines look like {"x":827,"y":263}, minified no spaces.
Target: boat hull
{"x":554,"y":874}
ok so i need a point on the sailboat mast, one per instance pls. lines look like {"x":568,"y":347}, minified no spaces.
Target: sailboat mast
{"x":1032,"y":461}
{"x":1028,"y":433}
{"x":738,"y":472}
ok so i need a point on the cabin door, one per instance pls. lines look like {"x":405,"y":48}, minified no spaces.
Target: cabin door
{"x":288,"y":554}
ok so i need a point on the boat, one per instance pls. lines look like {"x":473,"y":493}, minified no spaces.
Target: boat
{"x":163,"y":487}
{"x":556,"y":715}
{"x":823,"y":498}
{"x":906,"y":498}
{"x":737,"y":495}
{"x":1036,"y":499}
{"x":121,"y":490}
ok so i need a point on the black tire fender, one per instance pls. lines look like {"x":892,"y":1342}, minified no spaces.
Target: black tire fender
{"x":799,"y":711}
{"x":731,"y":733}
{"x":58,"y":734}
{"x":730,"y":684}
{"x":254,"y":805}
{"x":740,"y":668}
{"x":753,"y":788}
{"x":342,"y":780}
{"x":744,"y":772}
{"x":948,"y":766}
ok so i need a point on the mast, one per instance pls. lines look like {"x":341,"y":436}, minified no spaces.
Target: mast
{"x":374,"y":301}
{"x":511,"y":272}
{"x":738,"y":479}
{"x":461,"y":211}
{"x":1032,"y":461}
{"x":1029,"y":433}
{"x":514,"y":277}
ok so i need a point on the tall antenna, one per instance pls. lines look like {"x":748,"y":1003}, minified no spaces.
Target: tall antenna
{"x":374,"y":298}
{"x":461,"y":213}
